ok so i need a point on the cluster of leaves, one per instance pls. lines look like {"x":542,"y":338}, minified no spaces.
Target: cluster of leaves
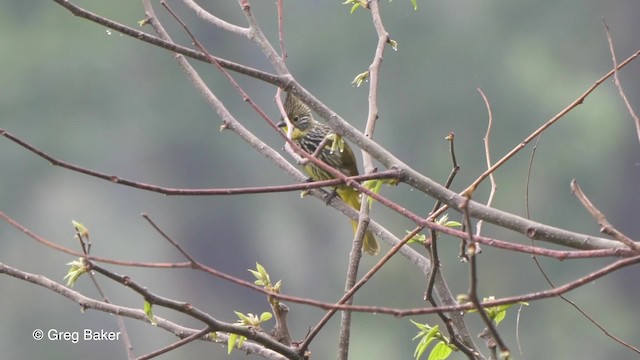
{"x":250,"y":320}
{"x":443,"y":347}
{"x":427,"y":335}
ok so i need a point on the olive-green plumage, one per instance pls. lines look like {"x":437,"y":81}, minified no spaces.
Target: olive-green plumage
{"x":308,"y":134}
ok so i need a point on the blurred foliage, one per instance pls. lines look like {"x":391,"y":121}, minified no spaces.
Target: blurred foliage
{"x":112,"y":104}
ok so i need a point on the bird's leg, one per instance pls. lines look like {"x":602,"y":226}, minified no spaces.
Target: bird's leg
{"x":330,"y":196}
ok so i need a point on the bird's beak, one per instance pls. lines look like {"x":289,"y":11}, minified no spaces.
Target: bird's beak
{"x":282,"y":124}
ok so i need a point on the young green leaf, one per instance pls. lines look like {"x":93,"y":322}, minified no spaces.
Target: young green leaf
{"x":231,"y":342}
{"x":80,"y":229}
{"x":78,"y":267}
{"x":440,"y":352}
{"x":148,"y":310}
{"x":265,"y":316}
{"x":360,"y":78}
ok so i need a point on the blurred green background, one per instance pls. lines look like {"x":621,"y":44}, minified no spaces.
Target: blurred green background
{"x":110,"y":103}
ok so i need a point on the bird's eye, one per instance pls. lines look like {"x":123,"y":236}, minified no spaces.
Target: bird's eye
{"x":295,"y":119}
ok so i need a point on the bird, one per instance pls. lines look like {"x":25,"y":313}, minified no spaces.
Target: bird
{"x":308,"y":133}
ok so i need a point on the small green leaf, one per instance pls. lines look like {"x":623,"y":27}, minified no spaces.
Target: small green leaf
{"x":373,"y":185}
{"x":360,"y":78}
{"x":393,"y":44}
{"x":261,"y":270}
{"x":241,"y":341}
{"x":254,"y":273}
{"x":433,"y":332}
{"x":261,"y":275}
{"x":148,"y":310}
{"x":500,"y":316}
{"x":78,"y":267}
{"x":452,"y":223}
{"x":265,"y":316}
{"x":244,"y":319}
{"x":80,"y":229}
{"x":440,"y":352}
{"x":420,"y":349}
{"x":420,"y":326}
{"x":417,"y":238}
{"x":422,"y":346}
{"x":415,"y":4}
{"x":231,"y":342}
{"x":276,"y":288}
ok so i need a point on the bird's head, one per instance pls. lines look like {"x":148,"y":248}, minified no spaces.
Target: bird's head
{"x":299,"y":115}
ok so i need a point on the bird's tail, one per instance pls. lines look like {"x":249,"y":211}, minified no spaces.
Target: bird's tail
{"x":352,"y":198}
{"x":369,"y":244}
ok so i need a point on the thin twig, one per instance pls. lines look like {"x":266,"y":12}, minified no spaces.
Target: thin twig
{"x":616,"y":80}
{"x":433,"y":254}
{"x":605,"y":226}
{"x":355,"y":255}
{"x":177,"y":344}
{"x":257,"y":36}
{"x":458,"y":334}
{"x":487,"y":153}
{"x":168,"y":238}
{"x":197,"y":192}
{"x":283,"y":49}
{"x":472,"y":253}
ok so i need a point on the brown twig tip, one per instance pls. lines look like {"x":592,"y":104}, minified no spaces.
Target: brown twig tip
{"x":605,"y":226}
